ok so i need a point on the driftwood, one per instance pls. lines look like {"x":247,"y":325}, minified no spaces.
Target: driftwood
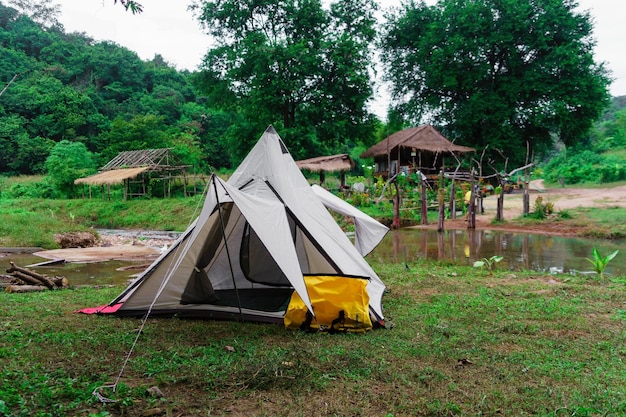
{"x":30,"y":276}
{"x":60,"y":282}
{"x":27,"y":277}
{"x":25,"y":288}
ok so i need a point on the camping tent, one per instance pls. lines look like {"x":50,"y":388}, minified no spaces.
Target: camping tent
{"x":257,"y":239}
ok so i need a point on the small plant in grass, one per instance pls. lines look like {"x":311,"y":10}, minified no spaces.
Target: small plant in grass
{"x":565,"y":214}
{"x":600,"y":262}
{"x":489,"y":263}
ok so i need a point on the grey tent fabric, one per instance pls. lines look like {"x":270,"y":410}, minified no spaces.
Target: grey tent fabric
{"x":257,"y":236}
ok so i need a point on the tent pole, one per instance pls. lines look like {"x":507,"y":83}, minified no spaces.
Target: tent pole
{"x":230,"y":262}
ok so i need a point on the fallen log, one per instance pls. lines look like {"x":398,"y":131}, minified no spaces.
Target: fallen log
{"x":25,"y":288}
{"x":10,"y":279}
{"x":27,"y":279}
{"x":60,"y":282}
{"x":23,"y":272}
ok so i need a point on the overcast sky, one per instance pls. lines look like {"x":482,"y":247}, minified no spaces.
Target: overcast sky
{"x":167,"y":28}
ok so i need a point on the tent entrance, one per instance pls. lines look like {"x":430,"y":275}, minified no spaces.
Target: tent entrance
{"x":244,"y":276}
{"x":266,"y":299}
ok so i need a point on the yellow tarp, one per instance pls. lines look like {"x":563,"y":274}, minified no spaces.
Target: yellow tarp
{"x":330,"y":296}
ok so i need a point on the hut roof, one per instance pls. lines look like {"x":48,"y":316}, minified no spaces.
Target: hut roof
{"x":129,"y":164}
{"x":115,"y":176}
{"x":423,"y":138}
{"x":341,"y":162}
{"x":153,"y":158}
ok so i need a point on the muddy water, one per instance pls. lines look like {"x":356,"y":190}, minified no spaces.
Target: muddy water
{"x":97,"y":273}
{"x":520,"y":250}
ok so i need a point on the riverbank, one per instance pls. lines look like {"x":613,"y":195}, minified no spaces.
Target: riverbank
{"x":584,"y":212}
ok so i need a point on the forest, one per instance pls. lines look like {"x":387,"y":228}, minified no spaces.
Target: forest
{"x":69,"y":104}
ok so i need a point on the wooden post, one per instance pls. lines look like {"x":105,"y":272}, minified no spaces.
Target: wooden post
{"x":526,"y":199}
{"x":441,"y":198}
{"x":424,"y":201}
{"x":500,"y":201}
{"x":453,"y":199}
{"x":471,"y":218}
{"x":395,"y":224}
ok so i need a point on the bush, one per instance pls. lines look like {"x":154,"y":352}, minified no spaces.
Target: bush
{"x":67,"y":162}
{"x":39,"y":189}
{"x":542,"y":210}
{"x":585,"y":167}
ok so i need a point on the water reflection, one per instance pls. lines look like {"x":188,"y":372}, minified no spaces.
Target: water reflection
{"x":95,"y":273}
{"x":520,"y":250}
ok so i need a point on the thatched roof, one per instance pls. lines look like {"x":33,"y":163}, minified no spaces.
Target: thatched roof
{"x":129,"y":164}
{"x":423,"y":138}
{"x":116,"y":176}
{"x":341,"y":162}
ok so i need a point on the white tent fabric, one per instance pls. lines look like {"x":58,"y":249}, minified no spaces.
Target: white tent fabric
{"x":256,"y":237}
{"x":368,"y":231}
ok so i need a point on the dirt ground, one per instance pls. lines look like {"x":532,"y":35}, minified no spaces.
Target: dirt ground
{"x":563,"y":199}
{"x":129,"y":246}
{"x":114,"y":247}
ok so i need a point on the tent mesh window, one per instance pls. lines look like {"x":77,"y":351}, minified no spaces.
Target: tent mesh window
{"x":256,"y":262}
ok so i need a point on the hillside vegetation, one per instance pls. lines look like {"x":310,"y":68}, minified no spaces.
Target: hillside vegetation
{"x":598,"y":160}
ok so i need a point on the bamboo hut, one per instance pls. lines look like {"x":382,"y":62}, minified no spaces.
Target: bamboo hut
{"x":411,"y":150}
{"x":135,"y":169}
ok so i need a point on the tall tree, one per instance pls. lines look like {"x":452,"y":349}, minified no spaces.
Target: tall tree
{"x":294,"y":64}
{"x":502,"y":73}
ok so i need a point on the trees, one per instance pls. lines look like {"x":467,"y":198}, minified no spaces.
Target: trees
{"x":293,"y":64}
{"x":502,"y":73}
{"x":67,"y":162}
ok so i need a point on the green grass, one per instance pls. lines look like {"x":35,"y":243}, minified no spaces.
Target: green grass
{"x":34,"y":222}
{"x":465,"y":343}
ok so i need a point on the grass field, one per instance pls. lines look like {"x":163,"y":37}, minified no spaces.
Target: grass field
{"x":464,"y":343}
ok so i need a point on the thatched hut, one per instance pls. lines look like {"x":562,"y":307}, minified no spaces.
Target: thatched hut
{"x":419,"y":148}
{"x":333,"y":163}
{"x":134,"y":169}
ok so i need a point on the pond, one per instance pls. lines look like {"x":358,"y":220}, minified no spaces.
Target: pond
{"x":521,"y":251}
{"x":94,"y":273}
{"x":542,"y":253}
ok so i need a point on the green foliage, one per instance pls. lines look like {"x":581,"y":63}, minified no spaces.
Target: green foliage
{"x":296,"y":65}
{"x":587,"y":166}
{"x":541,"y":210}
{"x":489,"y":263}
{"x":70,"y":87}
{"x":140,"y":132}
{"x":483,"y":69}
{"x":67,"y":162}
{"x":600,"y":262}
{"x":599,"y":158}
